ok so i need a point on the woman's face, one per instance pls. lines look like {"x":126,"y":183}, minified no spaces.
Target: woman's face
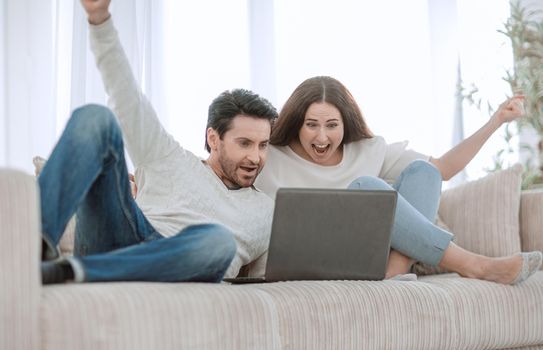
{"x":321,"y":135}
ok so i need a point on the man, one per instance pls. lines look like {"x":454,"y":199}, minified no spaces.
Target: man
{"x":192,"y":220}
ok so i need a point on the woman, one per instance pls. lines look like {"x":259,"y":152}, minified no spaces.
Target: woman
{"x":322,"y":140}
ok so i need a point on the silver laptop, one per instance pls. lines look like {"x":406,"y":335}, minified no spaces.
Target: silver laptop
{"x":329,"y":234}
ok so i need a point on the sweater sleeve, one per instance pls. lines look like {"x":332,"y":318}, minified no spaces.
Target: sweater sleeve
{"x":143,"y":135}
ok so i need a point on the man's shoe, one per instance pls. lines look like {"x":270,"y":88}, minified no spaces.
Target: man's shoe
{"x":53,"y":272}
{"x":48,"y":251}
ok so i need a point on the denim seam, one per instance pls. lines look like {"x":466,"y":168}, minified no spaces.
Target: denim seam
{"x":111,"y":150}
{"x":126,"y":211}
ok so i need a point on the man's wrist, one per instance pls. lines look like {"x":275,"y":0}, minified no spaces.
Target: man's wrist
{"x":97,"y":19}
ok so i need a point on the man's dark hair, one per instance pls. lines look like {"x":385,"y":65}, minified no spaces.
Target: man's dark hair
{"x":236,"y":102}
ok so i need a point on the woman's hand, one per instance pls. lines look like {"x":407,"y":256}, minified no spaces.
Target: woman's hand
{"x":510,"y":110}
{"x":460,"y":155}
{"x":97,"y":10}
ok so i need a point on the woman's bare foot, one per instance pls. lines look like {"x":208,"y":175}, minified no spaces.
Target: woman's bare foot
{"x":398,"y":264}
{"x":507,"y":270}
{"x":502,"y":270}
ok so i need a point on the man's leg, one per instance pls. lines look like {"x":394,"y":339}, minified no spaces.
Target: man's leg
{"x":199,"y":253}
{"x":87,"y":170}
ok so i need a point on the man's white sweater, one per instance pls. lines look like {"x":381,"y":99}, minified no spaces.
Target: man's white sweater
{"x":175,"y":188}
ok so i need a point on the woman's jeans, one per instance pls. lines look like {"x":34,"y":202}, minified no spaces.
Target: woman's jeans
{"x":414,"y":233}
{"x":114,"y":241}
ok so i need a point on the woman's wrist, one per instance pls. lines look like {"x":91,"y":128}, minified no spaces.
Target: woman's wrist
{"x":495,"y":121}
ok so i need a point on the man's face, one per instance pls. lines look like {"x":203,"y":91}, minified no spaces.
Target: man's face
{"x":239,"y":157}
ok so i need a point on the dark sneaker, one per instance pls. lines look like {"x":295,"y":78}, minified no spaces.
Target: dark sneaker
{"x":53,"y":272}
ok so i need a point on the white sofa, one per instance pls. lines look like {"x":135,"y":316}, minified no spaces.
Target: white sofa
{"x":436,"y":312}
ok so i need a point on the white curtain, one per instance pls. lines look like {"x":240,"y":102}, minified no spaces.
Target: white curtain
{"x":47,"y":69}
{"x":27,"y":80}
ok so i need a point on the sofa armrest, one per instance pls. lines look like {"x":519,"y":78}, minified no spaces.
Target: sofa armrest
{"x":20,"y":285}
{"x":531,"y":220}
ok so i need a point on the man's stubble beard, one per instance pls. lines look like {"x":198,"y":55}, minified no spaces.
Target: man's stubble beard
{"x":229,"y":167}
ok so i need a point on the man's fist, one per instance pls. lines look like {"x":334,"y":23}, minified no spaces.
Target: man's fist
{"x":97,"y":10}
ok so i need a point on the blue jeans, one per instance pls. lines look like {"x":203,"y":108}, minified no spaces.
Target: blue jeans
{"x":114,"y":241}
{"x":414,"y":233}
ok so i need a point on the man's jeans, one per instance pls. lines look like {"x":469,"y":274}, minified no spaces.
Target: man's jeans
{"x":414,"y":233}
{"x":114,"y":241}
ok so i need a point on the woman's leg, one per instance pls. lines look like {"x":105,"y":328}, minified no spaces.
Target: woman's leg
{"x":419,"y":184}
{"x":413,"y":234}
{"x":507,"y":270}
{"x":418,"y":238}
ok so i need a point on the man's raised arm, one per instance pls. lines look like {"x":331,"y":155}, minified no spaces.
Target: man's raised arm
{"x":144,"y":136}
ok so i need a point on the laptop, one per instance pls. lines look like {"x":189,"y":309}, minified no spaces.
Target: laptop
{"x":328,"y":234}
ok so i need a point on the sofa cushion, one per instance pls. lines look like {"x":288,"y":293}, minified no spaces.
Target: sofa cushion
{"x":531,"y":220}
{"x":494,"y":316}
{"x":96,"y":316}
{"x":362,"y":315}
{"x":437,"y":312}
{"x":484,"y":214}
{"x":288,"y":315}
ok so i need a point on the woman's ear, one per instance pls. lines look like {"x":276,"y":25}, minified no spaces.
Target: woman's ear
{"x":212,"y":138}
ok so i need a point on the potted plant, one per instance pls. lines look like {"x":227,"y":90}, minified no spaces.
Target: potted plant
{"x":525,"y":32}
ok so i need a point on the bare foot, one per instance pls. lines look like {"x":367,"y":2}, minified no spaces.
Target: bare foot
{"x":502,"y":270}
{"x":398,"y":264}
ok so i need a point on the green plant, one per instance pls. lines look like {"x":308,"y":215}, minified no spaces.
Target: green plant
{"x":525,"y":33}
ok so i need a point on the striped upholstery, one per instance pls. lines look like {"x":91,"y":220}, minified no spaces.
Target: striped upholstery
{"x":156,"y":316}
{"x":19,"y":255}
{"x":362,"y":315}
{"x":531,"y":220}
{"x":493,"y":316}
{"x":484,"y":214}
{"x":438,"y":312}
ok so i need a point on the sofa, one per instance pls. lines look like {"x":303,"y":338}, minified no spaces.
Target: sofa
{"x":439,"y":311}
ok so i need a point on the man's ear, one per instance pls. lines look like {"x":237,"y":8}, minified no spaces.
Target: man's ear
{"x":212,"y":138}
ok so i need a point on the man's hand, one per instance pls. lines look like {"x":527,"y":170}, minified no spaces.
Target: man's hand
{"x":133,"y":186}
{"x":510,"y":110}
{"x":97,"y":10}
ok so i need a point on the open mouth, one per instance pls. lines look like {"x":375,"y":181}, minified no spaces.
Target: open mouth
{"x":251,"y":170}
{"x":320,"y":149}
